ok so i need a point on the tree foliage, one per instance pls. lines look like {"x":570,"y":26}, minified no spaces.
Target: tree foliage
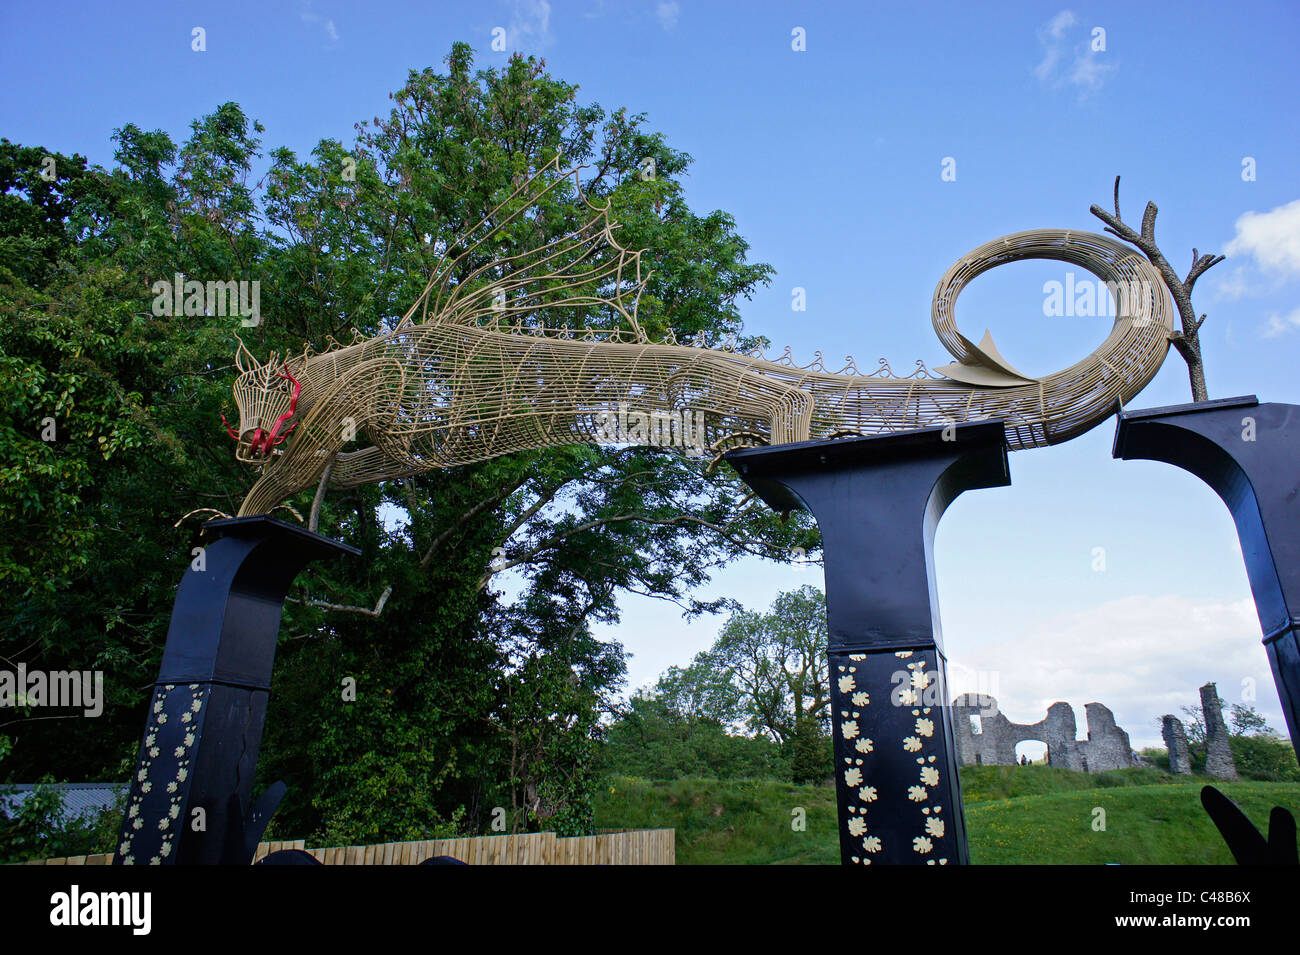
{"x":480,"y":683}
{"x":766,"y":672}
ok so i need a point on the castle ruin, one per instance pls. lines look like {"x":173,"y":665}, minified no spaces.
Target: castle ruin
{"x":986,"y":737}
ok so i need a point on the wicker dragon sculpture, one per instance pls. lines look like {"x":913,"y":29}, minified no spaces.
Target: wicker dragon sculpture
{"x":478,"y":374}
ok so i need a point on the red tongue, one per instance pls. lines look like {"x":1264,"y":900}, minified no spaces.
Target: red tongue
{"x":258,"y":444}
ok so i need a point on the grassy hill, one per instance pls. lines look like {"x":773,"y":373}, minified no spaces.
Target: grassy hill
{"x":1014,"y":814}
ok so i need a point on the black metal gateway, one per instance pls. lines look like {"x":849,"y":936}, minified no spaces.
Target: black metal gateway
{"x":878,"y":501}
{"x":1249,"y":453}
{"x":194,"y":777}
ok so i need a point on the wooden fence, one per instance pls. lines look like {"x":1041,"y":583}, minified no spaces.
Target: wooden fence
{"x":632,"y":847}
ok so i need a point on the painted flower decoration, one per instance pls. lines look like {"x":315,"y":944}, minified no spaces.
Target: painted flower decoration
{"x":934,"y":827}
{"x":857,"y":826}
{"x":911,"y":744}
{"x":849,"y":730}
{"x":925,"y":727}
{"x":917,"y":793}
{"x":846,"y":684}
{"x":922,"y":844}
{"x":929,"y":775}
{"x":852,"y":777}
{"x":867,"y":793}
{"x":864,"y":745}
{"x":871,"y":843}
{"x":861,"y":699}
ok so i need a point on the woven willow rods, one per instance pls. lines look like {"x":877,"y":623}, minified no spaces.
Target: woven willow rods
{"x":496,"y":363}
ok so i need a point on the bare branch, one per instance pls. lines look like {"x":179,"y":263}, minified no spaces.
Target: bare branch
{"x":1200,"y":265}
{"x":314,"y":519}
{"x":344,"y":608}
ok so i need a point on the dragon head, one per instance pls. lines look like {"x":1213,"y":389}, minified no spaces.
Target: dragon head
{"x":267,"y":398}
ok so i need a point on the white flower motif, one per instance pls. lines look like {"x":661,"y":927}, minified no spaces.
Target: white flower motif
{"x":907,"y":697}
{"x":867,"y":793}
{"x":141,"y":775}
{"x":864,"y":745}
{"x":861,"y":699}
{"x":857,"y":826}
{"x":164,"y":822}
{"x":922,"y":844}
{"x":917,"y":793}
{"x":149,"y":740}
{"x":146,"y":787}
{"x":162,"y":718}
{"x":171,"y":787}
{"x":133,"y":811}
{"x":155,"y":861}
{"x":189,"y":739}
{"x":911,"y":744}
{"x":179,"y":751}
{"x":934,"y":827}
{"x":871,"y":843}
{"x":846,"y":684}
{"x":186,"y":717}
{"x":123,"y":848}
{"x":925,"y":727}
{"x":929,"y":775}
{"x":849,"y":729}
{"x":175,"y":811}
{"x":181,"y":774}
{"x":153,"y":752}
{"x":138,"y":824}
{"x":196,"y":706}
{"x":920,"y":679}
{"x":852,"y":777}
{"x":166,"y":849}
{"x":157,"y":706}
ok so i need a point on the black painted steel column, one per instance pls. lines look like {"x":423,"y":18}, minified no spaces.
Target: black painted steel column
{"x":209,"y":703}
{"x":1250,"y":454}
{"x":878,"y":501}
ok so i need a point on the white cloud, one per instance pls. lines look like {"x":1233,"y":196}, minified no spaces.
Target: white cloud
{"x":1272,"y":238}
{"x":307,"y":15}
{"x":667,"y":12}
{"x":1140,"y":656}
{"x":1266,"y":252}
{"x":1281,"y":324}
{"x":1088,"y":70}
{"x":530,"y":24}
{"x":1051,"y":38}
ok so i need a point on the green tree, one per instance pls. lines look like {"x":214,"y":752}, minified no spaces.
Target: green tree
{"x":466,"y":621}
{"x":1246,"y":722}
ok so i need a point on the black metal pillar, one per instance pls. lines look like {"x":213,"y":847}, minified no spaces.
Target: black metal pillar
{"x":1250,"y":454}
{"x":209,"y":703}
{"x":878,"y":501}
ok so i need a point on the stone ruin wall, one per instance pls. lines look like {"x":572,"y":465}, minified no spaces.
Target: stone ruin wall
{"x":1107,"y":746}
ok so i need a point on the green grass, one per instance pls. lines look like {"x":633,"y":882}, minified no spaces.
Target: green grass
{"x":1014,"y":815}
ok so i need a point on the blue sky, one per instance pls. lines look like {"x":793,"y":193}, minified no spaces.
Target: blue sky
{"x":830,"y":159}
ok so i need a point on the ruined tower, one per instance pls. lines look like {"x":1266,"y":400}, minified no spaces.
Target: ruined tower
{"x":1175,"y":737}
{"x":1218,"y":753}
